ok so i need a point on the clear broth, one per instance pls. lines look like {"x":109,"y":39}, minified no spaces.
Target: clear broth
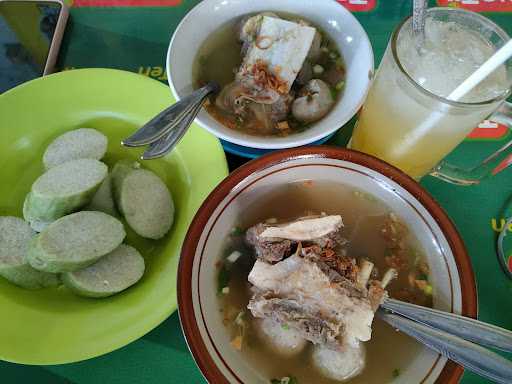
{"x":219,"y":58}
{"x":363,"y":217}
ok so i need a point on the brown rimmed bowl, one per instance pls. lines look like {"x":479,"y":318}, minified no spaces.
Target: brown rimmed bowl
{"x":451,"y":272}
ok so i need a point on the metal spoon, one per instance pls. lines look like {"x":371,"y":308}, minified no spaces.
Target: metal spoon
{"x":167,"y":143}
{"x":461,"y":326}
{"x":170,"y":119}
{"x":471,"y":356}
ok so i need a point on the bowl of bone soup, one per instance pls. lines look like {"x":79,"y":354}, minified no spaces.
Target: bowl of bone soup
{"x":291,"y":72}
{"x":287,"y":261}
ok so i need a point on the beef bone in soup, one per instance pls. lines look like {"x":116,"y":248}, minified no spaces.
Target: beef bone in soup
{"x":298,"y":295}
{"x":278,"y":74}
{"x":301,"y":281}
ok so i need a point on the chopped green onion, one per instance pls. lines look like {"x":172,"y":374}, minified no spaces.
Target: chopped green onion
{"x":396,"y":372}
{"x":233,"y":257}
{"x":285,"y":327}
{"x":237,"y":231}
{"x":417,"y":257}
{"x":334,"y":93}
{"x":318,"y":69}
{"x":340,"y":85}
{"x":222,"y":278}
{"x":333,"y":55}
{"x":428,"y":290}
{"x":239,"y":320}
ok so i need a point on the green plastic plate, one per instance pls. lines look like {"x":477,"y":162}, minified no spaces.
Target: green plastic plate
{"x":53,"y":326}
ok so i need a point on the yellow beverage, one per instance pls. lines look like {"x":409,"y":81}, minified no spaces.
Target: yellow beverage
{"x":406,"y":119}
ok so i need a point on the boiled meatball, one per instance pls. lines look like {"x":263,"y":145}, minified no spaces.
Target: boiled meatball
{"x":342,"y":364}
{"x":315,"y":102}
{"x":283,"y":340}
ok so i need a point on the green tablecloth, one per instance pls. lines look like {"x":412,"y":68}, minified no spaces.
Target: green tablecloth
{"x":135,"y":38}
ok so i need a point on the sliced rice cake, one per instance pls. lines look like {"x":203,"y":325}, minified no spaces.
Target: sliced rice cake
{"x":146,"y":203}
{"x":122,"y":169}
{"x":113,"y":273}
{"x":103,"y":199}
{"x":15,"y":237}
{"x":82,"y":143}
{"x":75,"y":241}
{"x":63,"y":189}
{"x":36,"y":224}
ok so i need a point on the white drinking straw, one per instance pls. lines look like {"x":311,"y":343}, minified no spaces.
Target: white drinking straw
{"x":501,"y":55}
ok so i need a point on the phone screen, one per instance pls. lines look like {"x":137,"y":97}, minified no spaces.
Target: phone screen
{"x":26,"y":33}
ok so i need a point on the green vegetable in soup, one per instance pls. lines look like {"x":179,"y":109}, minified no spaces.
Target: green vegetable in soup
{"x":223,"y":278}
{"x":237,"y":231}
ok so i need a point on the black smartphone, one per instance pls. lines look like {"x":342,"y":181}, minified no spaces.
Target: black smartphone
{"x":30,"y":36}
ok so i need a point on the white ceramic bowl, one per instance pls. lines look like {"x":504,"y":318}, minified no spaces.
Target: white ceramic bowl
{"x":333,"y":18}
{"x":451,"y":273}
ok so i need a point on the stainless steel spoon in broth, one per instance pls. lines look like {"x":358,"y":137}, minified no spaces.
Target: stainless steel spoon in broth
{"x":456,"y":337}
{"x":165,"y":130}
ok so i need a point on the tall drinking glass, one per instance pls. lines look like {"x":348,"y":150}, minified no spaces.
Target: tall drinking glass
{"x":407,"y":119}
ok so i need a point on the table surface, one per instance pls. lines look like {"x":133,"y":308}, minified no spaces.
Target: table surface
{"x":130,"y":35}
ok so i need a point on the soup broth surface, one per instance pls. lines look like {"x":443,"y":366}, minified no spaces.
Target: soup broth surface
{"x":388,"y":352}
{"x":220,"y":57}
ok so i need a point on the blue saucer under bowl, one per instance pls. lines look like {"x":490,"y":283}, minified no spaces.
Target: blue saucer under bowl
{"x":253,"y":153}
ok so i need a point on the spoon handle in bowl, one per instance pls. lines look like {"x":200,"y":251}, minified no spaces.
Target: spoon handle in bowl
{"x":166,"y":144}
{"x":169,"y":118}
{"x":471,"y":356}
{"x":465,"y":327}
